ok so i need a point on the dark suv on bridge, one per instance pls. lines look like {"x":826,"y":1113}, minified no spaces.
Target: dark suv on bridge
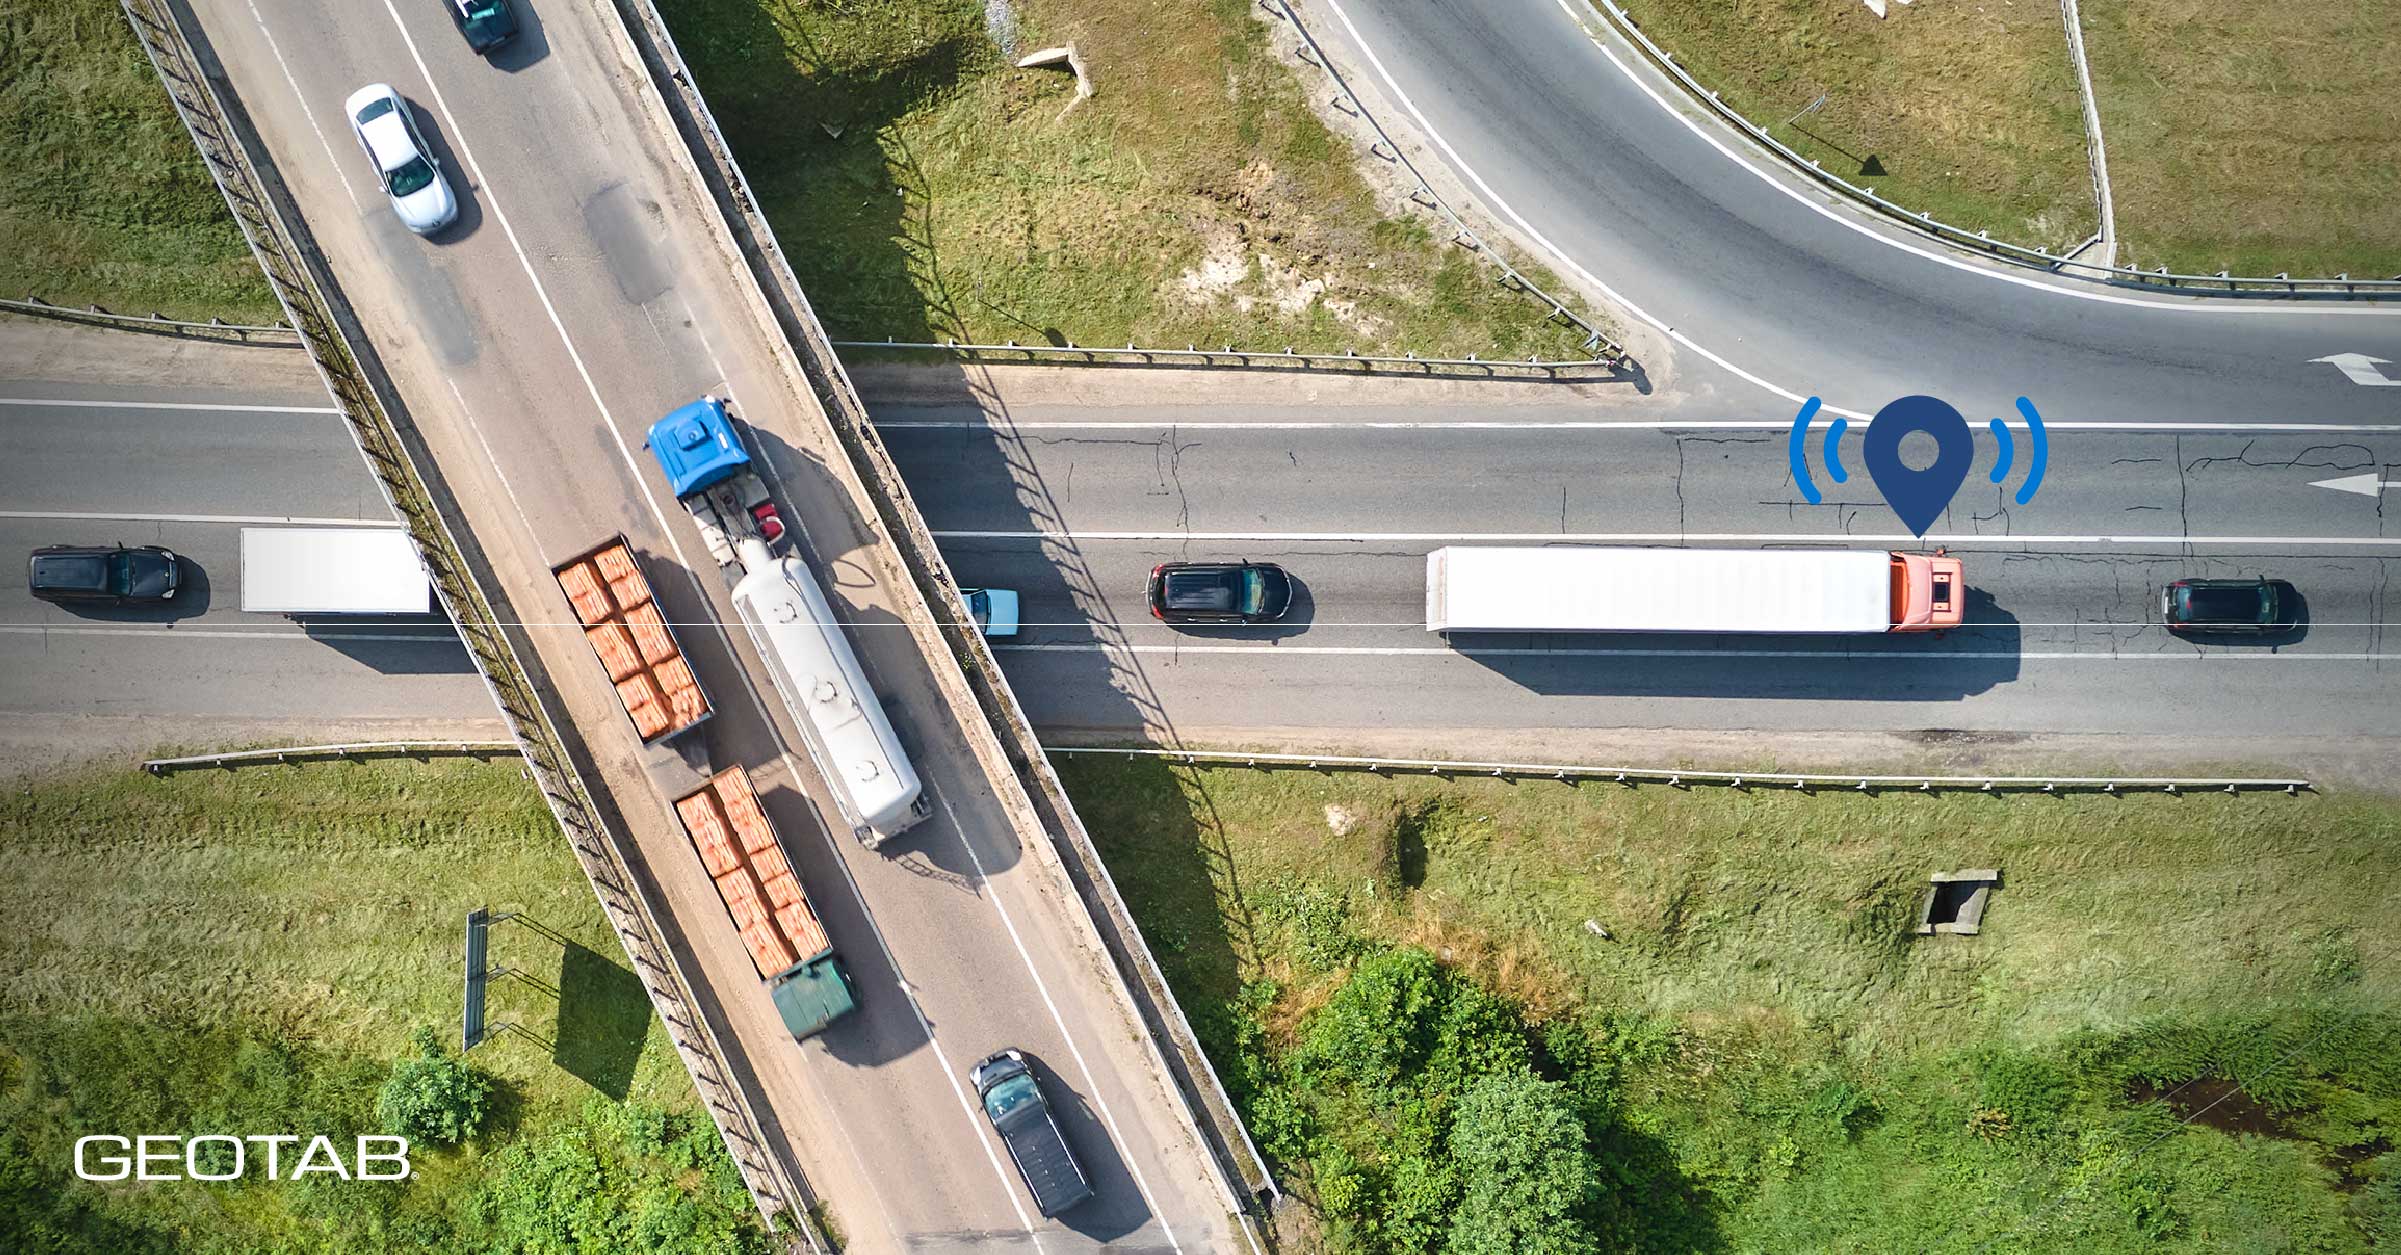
{"x":2226,"y":606}
{"x":1021,"y":1115}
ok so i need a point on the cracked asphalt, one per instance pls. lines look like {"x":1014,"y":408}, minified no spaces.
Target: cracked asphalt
{"x":2063,"y":632}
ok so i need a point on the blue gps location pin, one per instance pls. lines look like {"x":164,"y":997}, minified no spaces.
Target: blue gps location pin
{"x":1919,"y":497}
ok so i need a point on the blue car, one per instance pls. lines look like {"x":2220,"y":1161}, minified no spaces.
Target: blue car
{"x":487,"y":24}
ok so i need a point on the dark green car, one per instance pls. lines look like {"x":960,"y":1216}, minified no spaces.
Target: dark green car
{"x":487,"y":24}
{"x":2225,"y":606}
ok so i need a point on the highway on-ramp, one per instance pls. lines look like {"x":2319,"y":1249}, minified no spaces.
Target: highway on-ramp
{"x":1762,"y":286}
{"x":586,"y":289}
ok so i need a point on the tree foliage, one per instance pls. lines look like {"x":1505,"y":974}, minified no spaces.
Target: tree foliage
{"x":434,"y":1096}
{"x":1528,"y":1171}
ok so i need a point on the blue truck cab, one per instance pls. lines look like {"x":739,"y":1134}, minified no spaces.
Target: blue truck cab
{"x":708,"y":469}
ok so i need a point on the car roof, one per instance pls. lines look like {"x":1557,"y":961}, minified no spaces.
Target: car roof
{"x":387,"y":133}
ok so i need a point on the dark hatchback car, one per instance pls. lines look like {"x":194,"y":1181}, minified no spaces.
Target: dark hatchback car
{"x":1021,"y":1115}
{"x":111,"y":575}
{"x":2224,"y":606}
{"x":487,"y":24}
{"x":1219,"y":592}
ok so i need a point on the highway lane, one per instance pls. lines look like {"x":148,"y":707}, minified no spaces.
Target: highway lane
{"x":583,"y":293}
{"x":1587,"y":150}
{"x":2063,"y":612}
{"x":101,"y":460}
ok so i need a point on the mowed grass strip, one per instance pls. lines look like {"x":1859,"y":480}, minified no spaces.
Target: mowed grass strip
{"x":2255,"y":139}
{"x":926,"y":189}
{"x":1726,"y":906}
{"x":103,"y":199}
{"x":1966,"y":111}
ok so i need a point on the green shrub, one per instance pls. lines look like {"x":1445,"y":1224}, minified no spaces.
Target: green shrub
{"x":1529,"y":1175}
{"x":434,"y":1097}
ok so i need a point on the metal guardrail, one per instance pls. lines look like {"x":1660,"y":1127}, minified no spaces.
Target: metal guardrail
{"x":1595,"y":339}
{"x":1233,"y":358}
{"x":2203,"y":285}
{"x":1682,"y":778}
{"x":352,"y":749}
{"x":1141,"y":985}
{"x":278,"y":240}
{"x":214,"y":328}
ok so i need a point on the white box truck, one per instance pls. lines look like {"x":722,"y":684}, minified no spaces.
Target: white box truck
{"x":1570,"y":589}
{"x":332,"y":571}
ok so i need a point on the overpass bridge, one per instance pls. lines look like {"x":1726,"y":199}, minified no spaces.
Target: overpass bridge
{"x":607,"y":265}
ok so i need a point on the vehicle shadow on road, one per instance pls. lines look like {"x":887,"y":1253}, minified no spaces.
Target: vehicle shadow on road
{"x":1915,"y":667}
{"x":530,"y":45}
{"x":412,"y":644}
{"x":1116,"y":1208}
{"x":471,"y":213}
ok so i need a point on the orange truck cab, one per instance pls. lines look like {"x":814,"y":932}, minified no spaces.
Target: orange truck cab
{"x":1929,"y":592}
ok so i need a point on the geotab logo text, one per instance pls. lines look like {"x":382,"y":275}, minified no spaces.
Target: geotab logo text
{"x":226,"y":1157}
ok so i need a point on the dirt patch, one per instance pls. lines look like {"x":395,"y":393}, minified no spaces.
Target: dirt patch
{"x":2216,"y":1103}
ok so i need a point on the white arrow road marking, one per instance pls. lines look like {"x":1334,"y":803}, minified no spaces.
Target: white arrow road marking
{"x":2360,"y":369}
{"x":2365,"y":485}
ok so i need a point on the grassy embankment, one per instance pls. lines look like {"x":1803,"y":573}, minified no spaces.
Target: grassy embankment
{"x":249,"y":953}
{"x":102,"y":198}
{"x":1966,"y":112}
{"x":1763,"y":1054}
{"x":2251,"y":138}
{"x":927,"y":189}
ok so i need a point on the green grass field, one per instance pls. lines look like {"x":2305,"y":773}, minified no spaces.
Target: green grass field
{"x":103,"y":199}
{"x":2252,"y":139}
{"x":229,"y":950}
{"x":1760,"y":970}
{"x":1968,"y":112}
{"x":926,"y":189}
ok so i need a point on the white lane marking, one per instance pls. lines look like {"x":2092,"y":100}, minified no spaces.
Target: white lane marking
{"x":263,"y":520}
{"x":1668,"y":538}
{"x":227,"y":634}
{"x":1564,"y":262}
{"x":608,"y":421}
{"x":491,"y":197}
{"x":1091,"y":1083}
{"x":2360,"y":368}
{"x":2210,"y":305}
{"x":305,"y":112}
{"x":1543,"y":425}
{"x":1558,"y":255}
{"x":59,"y":403}
{"x":1839,"y":655}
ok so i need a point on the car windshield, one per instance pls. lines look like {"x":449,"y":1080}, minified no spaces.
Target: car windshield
{"x":410,"y":177}
{"x":980,"y":608}
{"x":120,"y":573}
{"x":2238,"y":605}
{"x":1005,"y":1098}
{"x":1254,"y":591}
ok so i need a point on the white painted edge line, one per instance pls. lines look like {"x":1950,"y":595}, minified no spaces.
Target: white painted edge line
{"x":1669,"y":538}
{"x":306,"y":113}
{"x":1592,"y":282}
{"x":1540,"y":425}
{"x":2191,"y":305}
{"x":262,"y":520}
{"x":1823,"y":655}
{"x":429,"y":636}
{"x":63,"y":403}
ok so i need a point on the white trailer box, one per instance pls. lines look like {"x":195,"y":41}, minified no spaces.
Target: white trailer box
{"x":332,"y":570}
{"x":1658,"y":590}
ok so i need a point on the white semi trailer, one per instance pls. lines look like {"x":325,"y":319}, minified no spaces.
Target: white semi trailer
{"x":1584,"y":589}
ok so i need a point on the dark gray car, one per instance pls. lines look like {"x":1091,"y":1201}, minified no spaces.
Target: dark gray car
{"x":107,"y":575}
{"x":1013,"y":1099}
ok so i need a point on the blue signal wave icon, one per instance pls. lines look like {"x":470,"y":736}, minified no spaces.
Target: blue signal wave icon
{"x":1913,"y":413}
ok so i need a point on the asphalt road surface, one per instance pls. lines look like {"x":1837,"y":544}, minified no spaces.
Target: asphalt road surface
{"x":583,"y":292}
{"x":188,"y":467}
{"x":1073,"y":509}
{"x":1774,"y":289}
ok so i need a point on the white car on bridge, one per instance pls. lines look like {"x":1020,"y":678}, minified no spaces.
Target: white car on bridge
{"x":407,"y":170}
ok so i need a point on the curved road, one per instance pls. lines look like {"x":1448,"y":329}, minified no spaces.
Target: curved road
{"x":1571,"y":138}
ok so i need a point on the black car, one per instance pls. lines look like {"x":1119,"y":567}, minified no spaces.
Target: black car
{"x":2223,"y":606}
{"x":111,"y":575}
{"x":487,"y":24}
{"x":1219,"y":592}
{"x":1021,"y":1115}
